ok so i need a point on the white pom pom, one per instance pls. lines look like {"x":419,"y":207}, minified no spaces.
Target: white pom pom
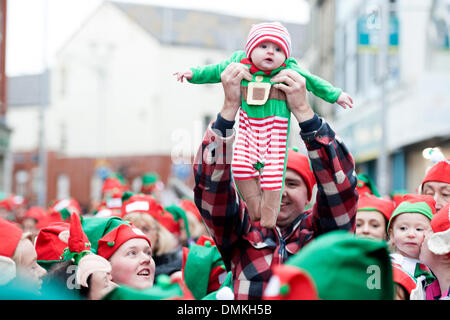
{"x":436,"y":155}
{"x":225,"y":294}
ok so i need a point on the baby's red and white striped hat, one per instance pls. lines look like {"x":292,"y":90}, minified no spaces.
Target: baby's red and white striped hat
{"x":268,"y":31}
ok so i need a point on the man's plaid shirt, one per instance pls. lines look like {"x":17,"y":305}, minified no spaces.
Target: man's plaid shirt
{"x":249,"y":250}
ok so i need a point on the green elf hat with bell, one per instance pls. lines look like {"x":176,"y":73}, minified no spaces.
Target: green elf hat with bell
{"x":414,"y":203}
{"x":203,"y":268}
{"x":149,"y":181}
{"x":366,"y":185}
{"x":96,"y":227}
{"x":290,"y":283}
{"x":344,"y":266}
{"x":165,"y":289}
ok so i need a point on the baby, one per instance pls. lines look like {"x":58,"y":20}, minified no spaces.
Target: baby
{"x":407,"y":227}
{"x":259,"y":156}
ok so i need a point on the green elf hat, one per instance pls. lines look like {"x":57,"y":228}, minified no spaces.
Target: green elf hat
{"x":149,"y":180}
{"x":366,"y":185}
{"x":178,"y":213}
{"x":414,"y":203}
{"x":78,"y":243}
{"x":347,"y":267}
{"x":96,"y":227}
{"x":165,"y":289}
{"x":203,"y":268}
{"x":290,"y":283}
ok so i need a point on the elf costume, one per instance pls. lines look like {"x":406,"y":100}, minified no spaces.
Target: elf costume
{"x":259,"y":159}
{"x":425,"y":205}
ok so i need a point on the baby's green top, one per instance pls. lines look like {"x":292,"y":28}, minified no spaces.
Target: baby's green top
{"x":318,"y":86}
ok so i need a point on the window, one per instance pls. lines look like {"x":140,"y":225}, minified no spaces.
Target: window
{"x":63,"y":186}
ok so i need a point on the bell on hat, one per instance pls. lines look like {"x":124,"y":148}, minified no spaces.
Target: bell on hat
{"x":439,"y":241}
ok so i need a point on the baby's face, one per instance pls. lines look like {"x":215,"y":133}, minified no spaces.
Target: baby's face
{"x":267,"y":56}
{"x":408,"y":232}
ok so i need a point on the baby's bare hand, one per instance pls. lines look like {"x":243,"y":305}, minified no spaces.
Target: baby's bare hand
{"x":184,"y":75}
{"x":345,"y":100}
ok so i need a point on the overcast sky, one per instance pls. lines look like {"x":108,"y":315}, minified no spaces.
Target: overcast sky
{"x":25,"y":24}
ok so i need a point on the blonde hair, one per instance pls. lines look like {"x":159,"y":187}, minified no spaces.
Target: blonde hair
{"x":166,"y":241}
{"x":196,"y":228}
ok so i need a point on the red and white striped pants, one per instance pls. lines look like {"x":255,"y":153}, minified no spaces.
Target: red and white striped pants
{"x":264,"y":141}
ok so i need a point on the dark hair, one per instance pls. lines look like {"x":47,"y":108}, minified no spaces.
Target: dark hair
{"x":61,"y":274}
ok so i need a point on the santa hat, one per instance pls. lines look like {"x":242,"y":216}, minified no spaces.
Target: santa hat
{"x":340,"y":264}
{"x":112,"y":241}
{"x":414,"y":203}
{"x":300,"y":164}
{"x":366,"y":185}
{"x":290,"y":283}
{"x":439,"y":172}
{"x":51,"y":242}
{"x":369,"y":202}
{"x":439,"y":241}
{"x":165,"y":288}
{"x":10,"y":235}
{"x":203,"y":268}
{"x":268,"y":31}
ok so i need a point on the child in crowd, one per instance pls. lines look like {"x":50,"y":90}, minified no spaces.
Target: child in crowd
{"x":406,"y":228}
{"x":18,"y":256}
{"x":435,"y":253}
{"x":372,"y":216}
{"x":260,"y":152}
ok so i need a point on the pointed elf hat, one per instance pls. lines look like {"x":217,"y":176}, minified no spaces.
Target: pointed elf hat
{"x":112,"y":241}
{"x":189,"y":206}
{"x":290,"y":283}
{"x":203,"y":268}
{"x":10,"y":235}
{"x":439,"y":242}
{"x":78,"y":242}
{"x":414,"y":203}
{"x":339,"y":263}
{"x":179,"y":214}
{"x":369,"y":202}
{"x":164,"y":289}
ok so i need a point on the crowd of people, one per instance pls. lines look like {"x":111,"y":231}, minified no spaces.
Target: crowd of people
{"x":334,"y":236}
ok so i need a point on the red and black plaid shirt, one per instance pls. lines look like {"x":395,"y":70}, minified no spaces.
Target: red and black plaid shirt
{"x":249,"y":250}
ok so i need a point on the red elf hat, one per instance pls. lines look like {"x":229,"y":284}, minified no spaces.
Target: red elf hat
{"x":369,"y":202}
{"x":300,"y":164}
{"x":10,"y":235}
{"x":118,"y":236}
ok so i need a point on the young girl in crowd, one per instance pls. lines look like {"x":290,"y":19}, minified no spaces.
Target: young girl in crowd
{"x":372,"y":216}
{"x":18,"y":256}
{"x":406,"y":228}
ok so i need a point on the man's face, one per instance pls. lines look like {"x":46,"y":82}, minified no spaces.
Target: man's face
{"x":293,"y":200}
{"x":440,"y":191}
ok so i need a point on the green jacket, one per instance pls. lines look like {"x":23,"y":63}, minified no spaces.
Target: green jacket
{"x":318,"y":86}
